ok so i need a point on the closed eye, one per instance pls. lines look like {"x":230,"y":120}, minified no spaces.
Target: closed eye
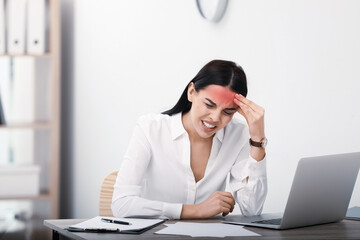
{"x":228,"y":113}
{"x":209,"y":105}
{"x":225,"y":112}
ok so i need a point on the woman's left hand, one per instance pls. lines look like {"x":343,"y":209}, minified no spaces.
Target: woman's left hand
{"x":254,"y":115}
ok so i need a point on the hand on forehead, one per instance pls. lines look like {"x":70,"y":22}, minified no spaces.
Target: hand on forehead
{"x":220,"y":95}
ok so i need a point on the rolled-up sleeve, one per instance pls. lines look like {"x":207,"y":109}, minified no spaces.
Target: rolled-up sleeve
{"x":248,"y":182}
{"x":127,"y":200}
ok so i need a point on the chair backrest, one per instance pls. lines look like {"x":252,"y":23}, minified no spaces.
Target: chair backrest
{"x":106,"y":193}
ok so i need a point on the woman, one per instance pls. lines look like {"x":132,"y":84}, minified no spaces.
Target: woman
{"x":177,"y":162}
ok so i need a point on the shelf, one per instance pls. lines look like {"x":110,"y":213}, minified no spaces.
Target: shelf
{"x":49,"y":126}
{"x":41,"y":196}
{"x":45,"y":55}
{"x":42,"y":125}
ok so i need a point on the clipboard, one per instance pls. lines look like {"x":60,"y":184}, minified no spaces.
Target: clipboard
{"x":96,"y":225}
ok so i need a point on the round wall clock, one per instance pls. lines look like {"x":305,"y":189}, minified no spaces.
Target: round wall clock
{"x":212,"y":10}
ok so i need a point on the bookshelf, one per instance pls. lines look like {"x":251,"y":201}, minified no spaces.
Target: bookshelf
{"x":50,"y":127}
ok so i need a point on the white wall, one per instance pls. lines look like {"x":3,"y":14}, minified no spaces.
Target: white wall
{"x":301,"y":57}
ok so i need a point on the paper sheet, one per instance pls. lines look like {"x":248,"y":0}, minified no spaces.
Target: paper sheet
{"x":205,"y":230}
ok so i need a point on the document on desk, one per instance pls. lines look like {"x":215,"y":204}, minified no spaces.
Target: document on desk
{"x":205,"y":230}
{"x":353,"y":213}
{"x":97,"y":224}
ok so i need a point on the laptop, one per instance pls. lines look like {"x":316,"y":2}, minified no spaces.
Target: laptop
{"x":320,"y":193}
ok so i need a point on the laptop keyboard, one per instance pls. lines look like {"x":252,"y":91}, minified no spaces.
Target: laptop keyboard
{"x":276,"y":221}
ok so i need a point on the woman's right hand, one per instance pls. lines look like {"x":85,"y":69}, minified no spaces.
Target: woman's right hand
{"x":218,"y":202}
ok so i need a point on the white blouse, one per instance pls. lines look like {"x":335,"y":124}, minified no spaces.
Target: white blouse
{"x":155,"y":178}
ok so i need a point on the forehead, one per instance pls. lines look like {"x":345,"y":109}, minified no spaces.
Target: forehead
{"x":219,"y":94}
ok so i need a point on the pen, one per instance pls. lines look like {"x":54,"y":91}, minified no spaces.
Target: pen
{"x":100,"y":230}
{"x":115,"y":221}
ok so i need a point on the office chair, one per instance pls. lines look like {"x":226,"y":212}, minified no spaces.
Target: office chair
{"x":106,"y":193}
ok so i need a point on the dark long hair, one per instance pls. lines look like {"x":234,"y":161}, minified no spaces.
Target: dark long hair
{"x":217,"y":72}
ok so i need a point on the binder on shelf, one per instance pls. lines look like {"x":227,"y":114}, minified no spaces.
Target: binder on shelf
{"x":36,"y":27}
{"x":4,"y":148}
{"x":42,"y":85}
{"x":2,"y":27}
{"x":4,"y":89}
{"x":21,"y":147}
{"x":2,"y":115}
{"x":16,"y":26}
{"x":22,"y":109}
{"x":23,"y":91}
